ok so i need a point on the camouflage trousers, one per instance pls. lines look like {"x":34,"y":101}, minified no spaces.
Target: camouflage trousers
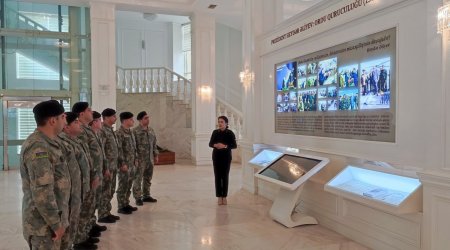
{"x":43,"y":243}
{"x":125,"y":184}
{"x":137,"y":181}
{"x":69,"y":236}
{"x":98,"y":198}
{"x":85,"y":223}
{"x":108,"y":188}
{"x":147,"y":179}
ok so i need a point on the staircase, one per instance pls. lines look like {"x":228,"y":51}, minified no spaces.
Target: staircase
{"x":178,"y":89}
{"x":154,"y":80}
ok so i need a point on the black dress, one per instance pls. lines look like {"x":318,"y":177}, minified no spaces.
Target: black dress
{"x":222,"y":159}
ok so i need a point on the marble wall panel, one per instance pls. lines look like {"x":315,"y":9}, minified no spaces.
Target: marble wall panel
{"x":169,"y":118}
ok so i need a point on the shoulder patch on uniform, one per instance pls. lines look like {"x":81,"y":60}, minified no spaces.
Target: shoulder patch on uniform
{"x":40,"y":155}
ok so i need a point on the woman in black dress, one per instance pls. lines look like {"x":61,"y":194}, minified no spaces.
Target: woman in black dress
{"x":222,"y":140}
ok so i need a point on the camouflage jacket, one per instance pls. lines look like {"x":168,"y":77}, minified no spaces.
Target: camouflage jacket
{"x":111,"y":147}
{"x":75,"y":175}
{"x":46,"y":186}
{"x":145,"y":143}
{"x":87,"y":137}
{"x":127,"y":147}
{"x":101,"y":142}
{"x":82,"y":161}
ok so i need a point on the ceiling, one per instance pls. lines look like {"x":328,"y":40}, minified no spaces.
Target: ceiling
{"x":228,"y":12}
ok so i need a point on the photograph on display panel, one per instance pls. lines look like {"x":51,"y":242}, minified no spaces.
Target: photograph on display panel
{"x":350,"y":85}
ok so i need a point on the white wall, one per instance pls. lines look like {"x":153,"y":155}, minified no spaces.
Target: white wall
{"x":132,"y":29}
{"x":228,"y":65}
{"x":177,"y":52}
{"x":417,"y":144}
{"x":420,"y":125}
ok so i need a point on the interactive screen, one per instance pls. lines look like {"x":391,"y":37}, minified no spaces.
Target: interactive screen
{"x":345,"y":91}
{"x":289,"y":168}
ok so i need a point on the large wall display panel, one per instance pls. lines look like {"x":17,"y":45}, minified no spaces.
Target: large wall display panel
{"x":345,"y":91}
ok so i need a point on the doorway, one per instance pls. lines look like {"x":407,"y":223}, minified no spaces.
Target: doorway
{"x":18,"y":124}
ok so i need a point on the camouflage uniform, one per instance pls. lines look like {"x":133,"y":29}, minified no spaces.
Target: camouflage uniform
{"x":127,"y":155}
{"x":111,"y":147}
{"x":146,"y":150}
{"x":75,"y":192}
{"x":100,"y":194}
{"x":94,"y":152}
{"x":46,"y":190}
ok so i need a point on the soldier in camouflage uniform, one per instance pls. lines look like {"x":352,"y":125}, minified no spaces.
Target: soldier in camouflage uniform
{"x":127,"y":162}
{"x":147,"y":155}
{"x":104,"y":189}
{"x":111,"y":147}
{"x":72,"y":126}
{"x":45,"y":180}
{"x":87,"y":226}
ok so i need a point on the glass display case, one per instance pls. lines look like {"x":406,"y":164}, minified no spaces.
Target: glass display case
{"x":388,"y":192}
{"x":265,"y":157}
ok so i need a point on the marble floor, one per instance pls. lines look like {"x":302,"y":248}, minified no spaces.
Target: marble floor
{"x":186,"y":216}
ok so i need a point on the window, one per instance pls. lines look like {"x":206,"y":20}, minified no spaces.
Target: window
{"x":186,"y":47}
{"x":31,"y":69}
{"x":44,"y":21}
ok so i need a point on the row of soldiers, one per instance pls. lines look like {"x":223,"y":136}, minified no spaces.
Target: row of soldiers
{"x":69,"y":166}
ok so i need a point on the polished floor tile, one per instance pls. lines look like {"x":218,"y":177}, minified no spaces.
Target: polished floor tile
{"x":186,"y":216}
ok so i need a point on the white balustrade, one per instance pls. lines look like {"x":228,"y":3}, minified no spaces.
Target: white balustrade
{"x":234,"y":116}
{"x":154,"y":80}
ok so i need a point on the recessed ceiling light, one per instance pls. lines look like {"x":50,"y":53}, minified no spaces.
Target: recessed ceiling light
{"x":212,"y":6}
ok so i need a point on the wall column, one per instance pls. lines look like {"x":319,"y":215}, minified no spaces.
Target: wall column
{"x":436,"y":181}
{"x":203,"y":86}
{"x":258,"y":17}
{"x":103,"y":56}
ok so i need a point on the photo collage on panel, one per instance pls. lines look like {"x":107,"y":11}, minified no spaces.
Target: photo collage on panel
{"x":324,"y":86}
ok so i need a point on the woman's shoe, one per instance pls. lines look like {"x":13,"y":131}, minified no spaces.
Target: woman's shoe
{"x":219,"y":201}
{"x":224,"y":200}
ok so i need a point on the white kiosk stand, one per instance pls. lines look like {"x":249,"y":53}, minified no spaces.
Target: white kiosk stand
{"x":290,"y":172}
{"x":283,"y":209}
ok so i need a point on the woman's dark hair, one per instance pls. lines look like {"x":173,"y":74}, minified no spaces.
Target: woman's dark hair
{"x":223,"y":118}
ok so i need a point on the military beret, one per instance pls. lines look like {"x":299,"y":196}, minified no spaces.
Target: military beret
{"x":47,"y":109}
{"x":108,"y":112}
{"x":71,"y":117}
{"x":141,"y":115}
{"x":96,"y":115}
{"x":126,"y":115}
{"x":80,"y":107}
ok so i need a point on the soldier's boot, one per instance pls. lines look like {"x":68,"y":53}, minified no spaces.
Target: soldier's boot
{"x":149,"y":199}
{"x":115,"y":217}
{"x":107,"y":219}
{"x":99,"y":228}
{"x":139,"y":202}
{"x":84,"y":246}
{"x":124,"y":210}
{"x":92,"y":240}
{"x":131,"y":208}
{"x":94,"y":233}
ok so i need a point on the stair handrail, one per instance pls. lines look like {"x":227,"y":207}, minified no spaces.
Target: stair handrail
{"x":154,"y":80}
{"x":235,"y":117}
{"x":27,"y":19}
{"x":229,"y":106}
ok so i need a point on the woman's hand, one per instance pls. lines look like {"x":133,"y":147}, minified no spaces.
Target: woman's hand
{"x":220,"y":145}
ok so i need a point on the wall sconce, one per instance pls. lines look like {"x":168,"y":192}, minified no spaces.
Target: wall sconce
{"x":246,"y":77}
{"x":443,"y":22}
{"x":205,"y":93}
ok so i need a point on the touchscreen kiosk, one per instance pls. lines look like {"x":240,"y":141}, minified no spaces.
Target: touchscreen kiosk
{"x":290,"y":172}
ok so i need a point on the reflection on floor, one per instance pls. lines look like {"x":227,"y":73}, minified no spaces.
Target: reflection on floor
{"x":186,"y":216}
